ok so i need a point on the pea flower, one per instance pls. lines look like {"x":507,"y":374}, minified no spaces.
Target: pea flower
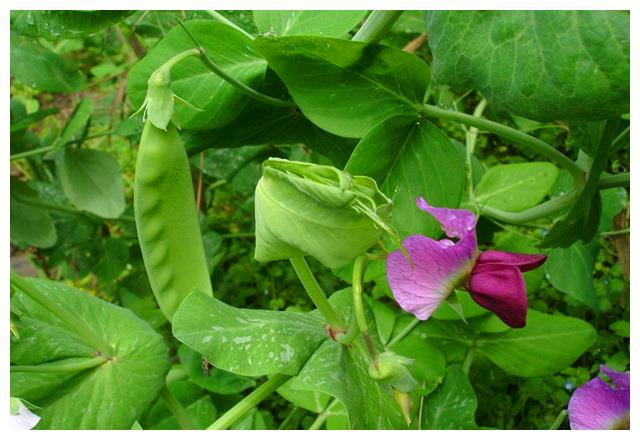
{"x":598,"y":405}
{"x":493,"y":278}
{"x":20,"y":417}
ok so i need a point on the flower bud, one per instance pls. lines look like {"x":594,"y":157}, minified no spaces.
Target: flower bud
{"x":307,"y":209}
{"x":392,"y":369}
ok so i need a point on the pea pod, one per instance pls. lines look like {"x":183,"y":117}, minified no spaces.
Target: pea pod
{"x":166,"y":219}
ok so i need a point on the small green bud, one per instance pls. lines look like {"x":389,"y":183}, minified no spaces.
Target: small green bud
{"x":307,"y":209}
{"x":392,"y":369}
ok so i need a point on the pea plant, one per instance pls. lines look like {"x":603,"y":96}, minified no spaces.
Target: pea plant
{"x":319,"y":219}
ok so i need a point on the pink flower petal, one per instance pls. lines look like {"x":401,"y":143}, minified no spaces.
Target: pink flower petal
{"x":438,"y":267}
{"x":596,"y":405}
{"x":524,"y":262}
{"x":501,"y":289}
{"x":456,"y":223}
{"x":620,"y":380}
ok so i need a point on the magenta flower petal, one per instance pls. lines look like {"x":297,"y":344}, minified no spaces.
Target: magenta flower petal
{"x":501,"y":289}
{"x":438,"y":267}
{"x":456,"y":223}
{"x":597,"y":405}
{"x":524,"y":262}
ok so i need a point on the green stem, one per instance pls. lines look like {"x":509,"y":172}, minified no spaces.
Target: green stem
{"x":288,"y":418}
{"x":619,"y":140}
{"x":352,"y":332}
{"x":243,"y":88}
{"x":68,"y":318}
{"x":405,"y":331}
{"x":511,"y":134}
{"x":545,"y":209}
{"x":376,"y":26}
{"x":358,"y":307}
{"x":250,"y":401}
{"x":176,"y":408}
{"x":471,"y":139}
{"x":222,"y":19}
{"x":30,"y":153}
{"x":322,"y":417}
{"x":57,"y":367}
{"x":316,"y":294}
{"x":468,"y":360}
{"x":55,"y":207}
{"x":614,"y":181}
{"x":613,"y":233}
{"x":559,"y":420}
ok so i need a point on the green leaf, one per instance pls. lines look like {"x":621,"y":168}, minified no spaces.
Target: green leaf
{"x":322,"y":23}
{"x":92,"y":180}
{"x":217,"y":381}
{"x":30,"y":119}
{"x":56,"y":25}
{"x":429,"y":366}
{"x":195,"y":401}
{"x":410,"y":22}
{"x":114,"y":260}
{"x":219,"y":101}
{"x":582,"y":220}
{"x":517,"y":186}
{"x":41,"y":69}
{"x":543,"y":65}
{"x":411,"y":158}
{"x":547,"y":345}
{"x":78,"y":123}
{"x":347,"y":87}
{"x":30,"y":225}
{"x":309,"y":400}
{"x":111,"y":395}
{"x":247,"y":342}
{"x":453,"y":405}
{"x":570,"y":270}
{"x":470,"y":308}
{"x":385,"y":318}
{"x":614,"y":200}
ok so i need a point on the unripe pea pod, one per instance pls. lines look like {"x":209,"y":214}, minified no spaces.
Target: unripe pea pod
{"x":167,"y":220}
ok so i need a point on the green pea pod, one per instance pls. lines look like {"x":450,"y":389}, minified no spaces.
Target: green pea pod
{"x":307,"y":209}
{"x":167,"y":220}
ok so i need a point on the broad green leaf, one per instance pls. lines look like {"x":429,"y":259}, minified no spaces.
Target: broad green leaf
{"x":614,"y":200}
{"x":77,"y":125}
{"x":543,"y":65}
{"x":347,"y":87}
{"x":30,"y":119}
{"x":92,"y":180}
{"x":385,"y":318}
{"x":30,"y":225}
{"x":111,"y":395}
{"x":219,"y":101}
{"x":195,"y":401}
{"x":217,"y":381}
{"x":411,"y":158}
{"x":56,"y":25}
{"x":453,"y":405}
{"x":322,"y":23}
{"x":247,"y":342}
{"x":517,"y":186}
{"x":261,"y":124}
{"x":114,"y":260}
{"x":410,"y":22}
{"x":429,"y":366}
{"x":547,"y":345}
{"x":582,"y":220}
{"x":41,"y":69}
{"x":570,"y":270}
{"x":309,"y":400}
{"x":452,"y":337}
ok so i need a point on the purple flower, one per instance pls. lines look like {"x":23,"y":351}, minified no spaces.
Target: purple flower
{"x":598,"y":405}
{"x":493,"y":278}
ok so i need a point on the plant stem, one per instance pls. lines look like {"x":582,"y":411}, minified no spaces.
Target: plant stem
{"x":322,"y":417}
{"x":545,"y":209}
{"x":558,"y":421}
{"x":176,"y":408}
{"x":68,"y":209}
{"x":68,"y":318}
{"x":30,"y":153}
{"x":250,"y":401}
{"x":376,"y":26}
{"x":614,"y":181}
{"x":470,"y":141}
{"x":288,"y":418}
{"x":468,"y":360}
{"x":315,"y":293}
{"x":618,"y":232}
{"x":511,"y":134}
{"x":222,"y":19}
{"x":57,"y":367}
{"x":405,"y":331}
{"x":358,"y":307}
{"x":243,"y":88}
